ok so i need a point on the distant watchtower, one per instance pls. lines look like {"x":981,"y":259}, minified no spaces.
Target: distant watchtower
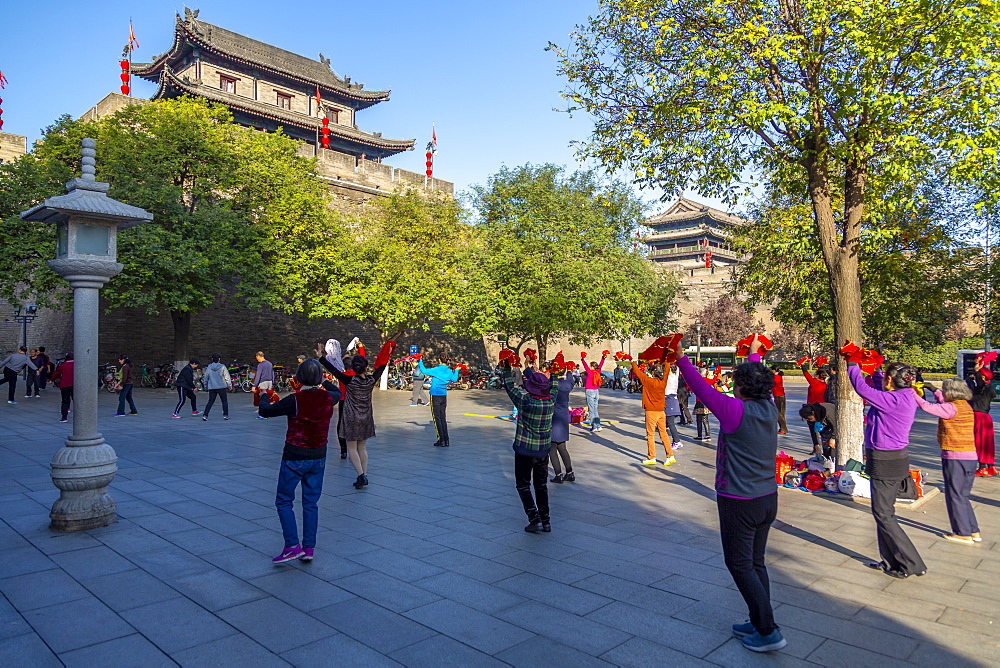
{"x":690,"y":236}
{"x":266,"y":87}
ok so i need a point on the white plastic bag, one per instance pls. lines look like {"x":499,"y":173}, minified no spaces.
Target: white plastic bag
{"x":854,"y":484}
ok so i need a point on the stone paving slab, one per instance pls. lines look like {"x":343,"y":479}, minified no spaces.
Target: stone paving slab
{"x":429,"y":566}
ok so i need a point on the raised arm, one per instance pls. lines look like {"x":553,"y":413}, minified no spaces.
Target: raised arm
{"x":944,"y":409}
{"x":877,"y":398}
{"x":516,"y":394}
{"x":729,"y":410}
{"x":639,"y":372}
{"x":382,"y":360}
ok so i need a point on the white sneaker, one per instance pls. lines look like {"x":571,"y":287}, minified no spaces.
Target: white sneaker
{"x":649,"y":462}
{"x":669,"y":461}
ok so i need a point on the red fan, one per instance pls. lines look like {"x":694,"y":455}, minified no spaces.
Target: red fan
{"x":868,"y":360}
{"x":463,"y":367}
{"x":583,"y":355}
{"x":803,"y":360}
{"x":821,"y":361}
{"x":558,"y":363}
{"x":605,"y":353}
{"x":743,"y":347}
{"x":665,"y":349}
{"x":986,"y":358}
{"x":571,"y":365}
{"x":510,"y":356}
{"x":418,"y":356}
{"x":530,"y":355}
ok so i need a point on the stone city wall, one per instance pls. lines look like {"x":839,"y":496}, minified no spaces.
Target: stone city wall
{"x":12,"y":146}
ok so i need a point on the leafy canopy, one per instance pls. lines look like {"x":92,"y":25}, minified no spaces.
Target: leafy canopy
{"x":553,"y":258}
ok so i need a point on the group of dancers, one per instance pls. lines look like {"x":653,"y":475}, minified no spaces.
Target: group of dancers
{"x":749,"y":427}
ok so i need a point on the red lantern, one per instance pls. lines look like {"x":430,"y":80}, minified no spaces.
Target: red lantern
{"x":429,"y":164}
{"x":125,"y":90}
{"x":326,"y":121}
{"x":325,"y":141}
{"x":429,"y":155}
{"x":124,"y":64}
{"x":324,"y":131}
{"x":124,"y":77}
{"x":429,"y":172}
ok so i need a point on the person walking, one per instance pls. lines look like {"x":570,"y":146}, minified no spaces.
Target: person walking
{"x":62,"y":378}
{"x":125,"y":385}
{"x":44,"y":367}
{"x":419,"y":396}
{"x":303,"y":459}
{"x":592,"y":386}
{"x":982,"y":399}
{"x":31,"y":377}
{"x":619,"y":376}
{"x":779,"y":398}
{"x":358,"y":424}
{"x":12,"y":365}
{"x":263,"y":381}
{"x":744,"y":486}
{"x":957,"y":438}
{"x":440,"y":376}
{"x":218,"y":381}
{"x":532,"y":442}
{"x":887,"y":462}
{"x":185,"y":388}
{"x":653,"y":398}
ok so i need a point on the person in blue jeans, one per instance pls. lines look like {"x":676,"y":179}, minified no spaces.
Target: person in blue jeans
{"x":440,"y":375}
{"x":309,"y":412}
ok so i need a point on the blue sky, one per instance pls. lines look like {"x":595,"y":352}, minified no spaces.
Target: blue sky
{"x":478,"y":71}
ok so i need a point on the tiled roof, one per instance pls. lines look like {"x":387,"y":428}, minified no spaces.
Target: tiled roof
{"x":686,"y":209}
{"x":278,"y":114}
{"x":253,"y":52}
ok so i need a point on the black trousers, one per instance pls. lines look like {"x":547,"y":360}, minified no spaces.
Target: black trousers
{"x":9,"y":377}
{"x":894,"y":546}
{"x":183,"y":394}
{"x":703,"y":425}
{"x":686,"y":417}
{"x":561,"y":451}
{"x":528,"y":470}
{"x":779,"y":403}
{"x":439,"y":405}
{"x":959,"y":475}
{"x":31,"y":389}
{"x":67,"y":397}
{"x":223,"y":396}
{"x":744,"y":524}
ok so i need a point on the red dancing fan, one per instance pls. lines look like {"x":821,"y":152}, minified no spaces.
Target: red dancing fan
{"x":510,"y":356}
{"x":743,"y":347}
{"x":530,"y":355}
{"x":868,"y":360}
{"x":558,"y":363}
{"x":821,"y":361}
{"x":665,"y":349}
{"x":803,"y":360}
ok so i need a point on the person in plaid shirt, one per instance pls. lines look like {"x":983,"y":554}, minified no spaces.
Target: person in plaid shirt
{"x":532,"y":442}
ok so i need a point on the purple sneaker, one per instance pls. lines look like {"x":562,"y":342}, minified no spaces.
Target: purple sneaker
{"x":307,"y":554}
{"x":288,"y":554}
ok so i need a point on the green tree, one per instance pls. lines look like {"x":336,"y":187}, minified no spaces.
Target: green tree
{"x":25,"y":182}
{"x":222,"y":196}
{"x":859,"y":96}
{"x":396,"y":266}
{"x":914,"y":284}
{"x":723,"y":321}
{"x":552,"y":259}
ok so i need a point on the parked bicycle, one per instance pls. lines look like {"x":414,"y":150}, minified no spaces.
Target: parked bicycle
{"x":147,"y":377}
{"x":240,"y":376}
{"x":108,"y":376}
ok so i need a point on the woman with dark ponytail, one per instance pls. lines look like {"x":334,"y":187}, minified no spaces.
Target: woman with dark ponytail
{"x":887,"y":461}
{"x":125,"y":387}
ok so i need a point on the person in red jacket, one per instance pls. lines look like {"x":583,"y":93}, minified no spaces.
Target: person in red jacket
{"x":817,"y":385}
{"x":779,"y":398}
{"x":63,"y":379}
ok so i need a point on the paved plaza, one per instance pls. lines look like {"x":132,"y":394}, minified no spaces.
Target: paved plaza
{"x":429,"y":565}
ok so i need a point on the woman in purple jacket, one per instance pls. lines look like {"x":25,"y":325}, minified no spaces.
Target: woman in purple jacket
{"x":887,"y":462}
{"x":746,"y":494}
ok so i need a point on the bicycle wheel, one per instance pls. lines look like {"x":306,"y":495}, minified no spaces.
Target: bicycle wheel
{"x":245,"y":385}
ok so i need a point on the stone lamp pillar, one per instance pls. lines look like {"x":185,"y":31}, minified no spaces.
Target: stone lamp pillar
{"x":87,"y":222}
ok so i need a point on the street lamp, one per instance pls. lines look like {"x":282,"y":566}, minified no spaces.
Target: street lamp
{"x":697,"y":327}
{"x":24,"y":315}
{"x":87,"y":223}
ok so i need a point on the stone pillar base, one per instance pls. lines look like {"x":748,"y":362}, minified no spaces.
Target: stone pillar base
{"x":82,"y":474}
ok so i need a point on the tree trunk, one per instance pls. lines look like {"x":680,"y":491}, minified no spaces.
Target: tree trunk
{"x":840,"y":254}
{"x":182,"y":337}
{"x":543,"y":345}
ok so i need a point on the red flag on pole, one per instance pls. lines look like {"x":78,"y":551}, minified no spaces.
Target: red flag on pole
{"x":319,"y":100}
{"x":133,"y":43}
{"x":3,"y":80}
